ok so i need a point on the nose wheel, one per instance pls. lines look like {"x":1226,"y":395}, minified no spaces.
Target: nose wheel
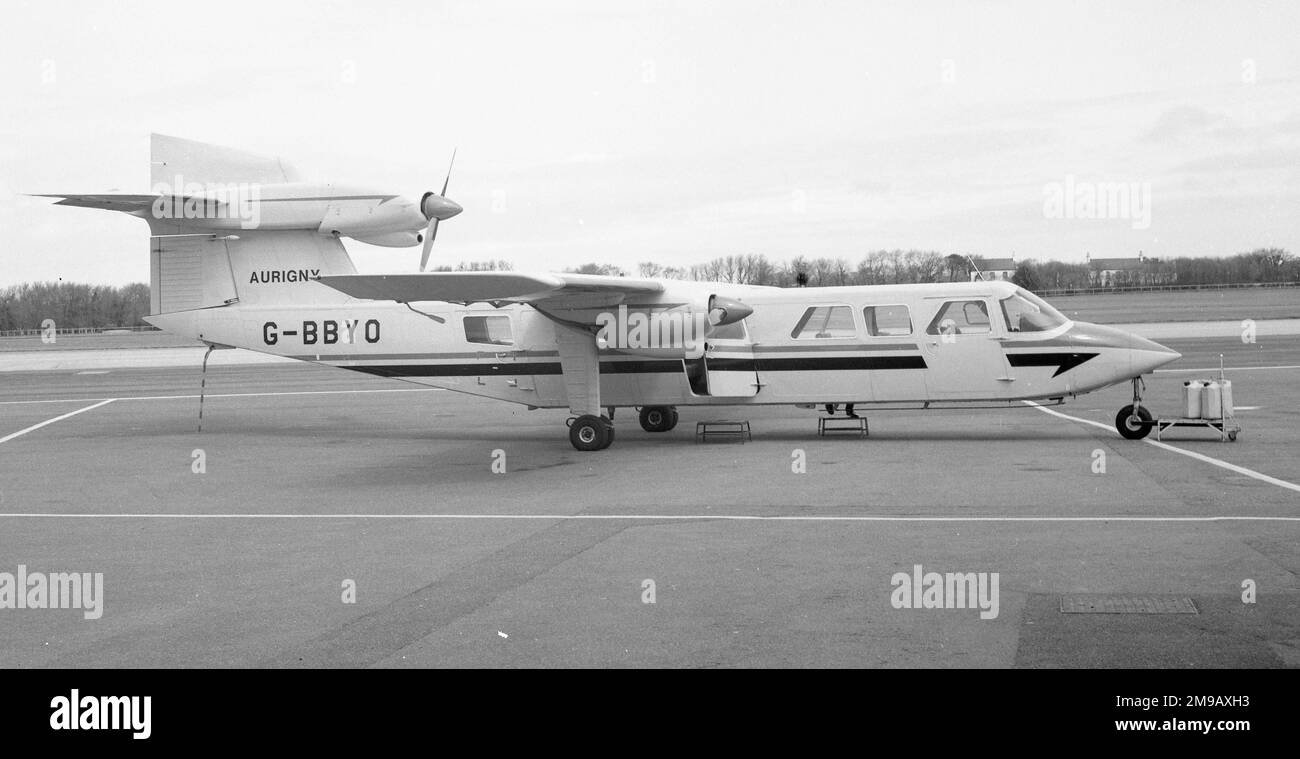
{"x":591,"y":433}
{"x":1133,"y":421}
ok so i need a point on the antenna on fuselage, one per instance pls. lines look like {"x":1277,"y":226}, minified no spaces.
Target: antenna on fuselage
{"x":974,"y":266}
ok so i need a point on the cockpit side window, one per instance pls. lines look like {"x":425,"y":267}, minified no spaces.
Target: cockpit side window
{"x":1025,"y":312}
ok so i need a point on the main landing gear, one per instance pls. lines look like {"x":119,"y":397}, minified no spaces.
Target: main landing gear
{"x":591,"y":433}
{"x":1133,"y":421}
{"x":658,"y":418}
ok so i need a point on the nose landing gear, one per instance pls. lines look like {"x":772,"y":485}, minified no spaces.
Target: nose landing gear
{"x":1133,"y":421}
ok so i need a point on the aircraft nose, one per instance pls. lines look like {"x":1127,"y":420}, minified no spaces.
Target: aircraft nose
{"x":1148,"y":355}
{"x":1151,"y":346}
{"x":1143,"y":355}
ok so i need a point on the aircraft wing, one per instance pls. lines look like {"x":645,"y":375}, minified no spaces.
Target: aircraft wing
{"x":551,"y":290}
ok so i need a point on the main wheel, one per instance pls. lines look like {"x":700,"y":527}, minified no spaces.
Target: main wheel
{"x":658,"y":418}
{"x":591,"y":433}
{"x":1128,"y":426}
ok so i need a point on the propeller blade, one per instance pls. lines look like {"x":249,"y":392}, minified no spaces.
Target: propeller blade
{"x":447,"y":181}
{"x":429,"y":234}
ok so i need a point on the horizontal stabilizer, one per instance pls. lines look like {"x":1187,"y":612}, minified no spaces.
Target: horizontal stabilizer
{"x":137,"y":205}
{"x":125,"y":203}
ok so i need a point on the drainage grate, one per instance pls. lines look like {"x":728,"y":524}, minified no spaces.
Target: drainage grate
{"x":1100,"y":604}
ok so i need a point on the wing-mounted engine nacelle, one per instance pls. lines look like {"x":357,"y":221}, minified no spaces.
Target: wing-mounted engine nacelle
{"x":392,"y":222}
{"x":679,"y":332}
{"x":391,"y":240}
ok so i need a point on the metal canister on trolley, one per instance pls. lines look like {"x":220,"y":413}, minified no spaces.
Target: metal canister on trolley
{"x":1192,"y":399}
{"x":1212,"y":400}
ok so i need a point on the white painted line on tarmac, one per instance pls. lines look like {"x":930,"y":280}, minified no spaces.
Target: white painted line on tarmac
{"x":656,"y":517}
{"x":1193,"y":454}
{"x":1226,"y":369}
{"x":20,"y":433}
{"x":227,"y":395}
{"x":1225,"y":465}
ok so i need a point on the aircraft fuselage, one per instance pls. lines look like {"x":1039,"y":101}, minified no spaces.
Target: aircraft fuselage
{"x":879,"y":344}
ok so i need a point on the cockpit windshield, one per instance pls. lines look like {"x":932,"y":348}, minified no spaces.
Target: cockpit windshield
{"x":1026,"y":312}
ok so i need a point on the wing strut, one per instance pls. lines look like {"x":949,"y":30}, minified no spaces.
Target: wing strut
{"x":580,"y":364}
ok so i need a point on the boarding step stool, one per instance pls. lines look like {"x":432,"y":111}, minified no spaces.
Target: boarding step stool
{"x":725,"y":428}
{"x":856,"y":424}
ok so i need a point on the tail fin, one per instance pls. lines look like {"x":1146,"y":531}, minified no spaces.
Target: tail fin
{"x":209,"y":260}
{"x":173,"y":159}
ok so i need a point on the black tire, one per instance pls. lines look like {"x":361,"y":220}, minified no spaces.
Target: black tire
{"x":1130,"y":431}
{"x":591,"y":433}
{"x":658,"y":418}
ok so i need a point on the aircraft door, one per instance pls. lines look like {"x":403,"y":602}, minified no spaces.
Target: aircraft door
{"x":732,"y":371}
{"x":729,"y":364}
{"x":962,"y":352}
{"x":492,"y":336}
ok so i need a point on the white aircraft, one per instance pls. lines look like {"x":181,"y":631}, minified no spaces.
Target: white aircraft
{"x":245,"y":254}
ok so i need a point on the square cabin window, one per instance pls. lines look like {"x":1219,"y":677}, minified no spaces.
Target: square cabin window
{"x":887,"y":321}
{"x":490,"y":330}
{"x":822,"y":322}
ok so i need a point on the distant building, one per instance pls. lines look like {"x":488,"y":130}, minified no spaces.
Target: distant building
{"x":995,"y":268}
{"x":1122,"y":272}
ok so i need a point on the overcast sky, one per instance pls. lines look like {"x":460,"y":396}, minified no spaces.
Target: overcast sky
{"x":627,"y":132}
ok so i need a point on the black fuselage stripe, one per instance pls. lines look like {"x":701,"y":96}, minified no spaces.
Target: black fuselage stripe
{"x":660,"y":366}
{"x":834,"y":363}
{"x":1047,"y":359}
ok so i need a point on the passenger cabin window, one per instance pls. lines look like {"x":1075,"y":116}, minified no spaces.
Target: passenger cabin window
{"x":820,"y":322}
{"x":1026,"y":312}
{"x":887,"y":321}
{"x":492,"y":330}
{"x":961,"y":317}
{"x":733,"y":331}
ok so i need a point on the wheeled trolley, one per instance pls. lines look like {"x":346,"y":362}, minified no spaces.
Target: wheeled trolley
{"x":1135,"y":422}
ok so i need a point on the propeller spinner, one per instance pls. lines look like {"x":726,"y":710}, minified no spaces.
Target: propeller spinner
{"x":436,"y":207}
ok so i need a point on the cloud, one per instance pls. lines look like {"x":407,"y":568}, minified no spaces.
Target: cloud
{"x":1184,"y":121}
{"x":1273,"y":159}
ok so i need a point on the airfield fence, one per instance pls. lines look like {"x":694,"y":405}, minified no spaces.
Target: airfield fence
{"x":78,"y":331}
{"x":1160,"y":288}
